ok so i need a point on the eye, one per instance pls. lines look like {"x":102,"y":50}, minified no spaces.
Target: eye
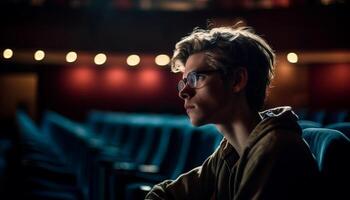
{"x":192,"y":79}
{"x":200,"y":76}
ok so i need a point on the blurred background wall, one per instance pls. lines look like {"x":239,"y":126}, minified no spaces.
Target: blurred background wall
{"x":311,"y":40}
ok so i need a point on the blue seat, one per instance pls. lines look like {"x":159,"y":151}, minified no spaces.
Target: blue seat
{"x":81,"y":148}
{"x":167,"y":161}
{"x":308,"y":124}
{"x":333,"y":117}
{"x":301,"y":112}
{"x":124,"y":129}
{"x":316,"y":116}
{"x":107,"y":126}
{"x":343,"y":127}
{"x":204,"y":141}
{"x":331,"y":150}
{"x":84,"y":149}
{"x":311,"y":115}
{"x":35,"y":144}
{"x":43,"y":170}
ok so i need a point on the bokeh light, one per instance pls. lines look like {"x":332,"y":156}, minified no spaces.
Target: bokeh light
{"x":292,"y":57}
{"x":162,"y":60}
{"x":133,"y":60}
{"x":39,"y":55}
{"x":8,"y":53}
{"x":100,"y":59}
{"x":71,"y":57}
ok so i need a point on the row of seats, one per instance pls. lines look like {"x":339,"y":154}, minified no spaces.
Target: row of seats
{"x":331,"y":149}
{"x":121,"y":155}
{"x":44,"y":171}
{"x":151,"y":147}
{"x":323,"y":117}
{"x":343,"y":127}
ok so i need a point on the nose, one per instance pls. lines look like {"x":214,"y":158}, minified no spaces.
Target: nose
{"x":186,"y":92}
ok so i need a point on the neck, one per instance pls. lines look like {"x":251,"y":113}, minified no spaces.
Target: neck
{"x":237,"y":130}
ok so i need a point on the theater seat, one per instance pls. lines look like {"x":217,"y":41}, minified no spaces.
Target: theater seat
{"x":316,"y":116}
{"x":333,"y":117}
{"x":343,"y":127}
{"x":309,"y":124}
{"x":204,"y":141}
{"x":43,"y":172}
{"x":331,"y":149}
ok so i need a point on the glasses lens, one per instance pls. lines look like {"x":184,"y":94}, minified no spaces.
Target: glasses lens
{"x":192,"y":80}
{"x":181,"y":85}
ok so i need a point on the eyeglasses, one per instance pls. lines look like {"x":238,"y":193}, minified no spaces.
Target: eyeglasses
{"x":195,"y":79}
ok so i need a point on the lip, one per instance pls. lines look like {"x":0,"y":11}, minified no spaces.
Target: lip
{"x":189,"y":107}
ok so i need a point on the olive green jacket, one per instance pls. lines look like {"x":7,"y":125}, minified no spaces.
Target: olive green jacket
{"x":276,"y":164}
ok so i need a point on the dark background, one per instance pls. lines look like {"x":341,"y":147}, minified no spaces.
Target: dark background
{"x":312,"y":29}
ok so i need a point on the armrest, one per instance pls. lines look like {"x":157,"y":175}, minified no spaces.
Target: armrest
{"x":149,"y":168}
{"x":129,"y":166}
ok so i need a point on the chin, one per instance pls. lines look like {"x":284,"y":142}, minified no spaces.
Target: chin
{"x":197,"y":121}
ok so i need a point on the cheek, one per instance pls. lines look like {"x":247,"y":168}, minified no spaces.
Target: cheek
{"x":214,"y":99}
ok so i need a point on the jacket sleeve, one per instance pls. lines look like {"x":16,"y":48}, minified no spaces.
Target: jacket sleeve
{"x":195,"y":184}
{"x":277,"y":168}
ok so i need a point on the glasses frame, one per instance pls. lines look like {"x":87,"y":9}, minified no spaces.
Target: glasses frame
{"x":196,"y":74}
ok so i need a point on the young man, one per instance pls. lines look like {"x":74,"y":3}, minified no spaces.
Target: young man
{"x":225,"y":74}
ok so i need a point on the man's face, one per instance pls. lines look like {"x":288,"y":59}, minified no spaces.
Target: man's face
{"x":212,"y":102}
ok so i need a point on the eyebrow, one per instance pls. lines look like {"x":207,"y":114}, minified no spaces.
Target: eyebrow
{"x":196,"y":70}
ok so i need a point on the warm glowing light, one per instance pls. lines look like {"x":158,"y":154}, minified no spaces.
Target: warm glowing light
{"x":79,"y":80}
{"x":71,"y":57}
{"x":115,"y":78}
{"x":292,"y":57}
{"x":100,"y":59}
{"x":326,"y":2}
{"x":39,"y":55}
{"x":162,"y":60}
{"x":8,"y":53}
{"x":149,"y":80}
{"x":133,"y":60}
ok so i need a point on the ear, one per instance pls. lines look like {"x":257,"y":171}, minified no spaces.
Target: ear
{"x":241,"y":79}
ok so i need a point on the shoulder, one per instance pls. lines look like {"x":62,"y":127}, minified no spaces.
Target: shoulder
{"x":282,"y":146}
{"x":225,"y":149}
{"x":282,"y":138}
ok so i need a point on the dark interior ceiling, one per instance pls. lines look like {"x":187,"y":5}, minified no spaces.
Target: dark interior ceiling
{"x":314,"y":28}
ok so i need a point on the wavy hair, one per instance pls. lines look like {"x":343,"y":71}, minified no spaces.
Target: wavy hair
{"x":230,"y":48}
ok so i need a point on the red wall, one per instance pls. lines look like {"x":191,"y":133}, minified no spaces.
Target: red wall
{"x":329,"y":86}
{"x":75,"y":90}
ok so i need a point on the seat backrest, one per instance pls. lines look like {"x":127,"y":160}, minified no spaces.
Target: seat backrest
{"x":309,"y":124}
{"x":105,"y":125}
{"x":316,"y":116}
{"x":333,"y":117}
{"x":174,"y":153}
{"x":343,"y":127}
{"x":331,"y":149}
{"x":72,"y":139}
{"x":35,"y":145}
{"x":301,"y":112}
{"x":204,"y":141}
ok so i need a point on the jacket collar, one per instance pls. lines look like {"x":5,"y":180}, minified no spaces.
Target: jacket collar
{"x":272,"y":118}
